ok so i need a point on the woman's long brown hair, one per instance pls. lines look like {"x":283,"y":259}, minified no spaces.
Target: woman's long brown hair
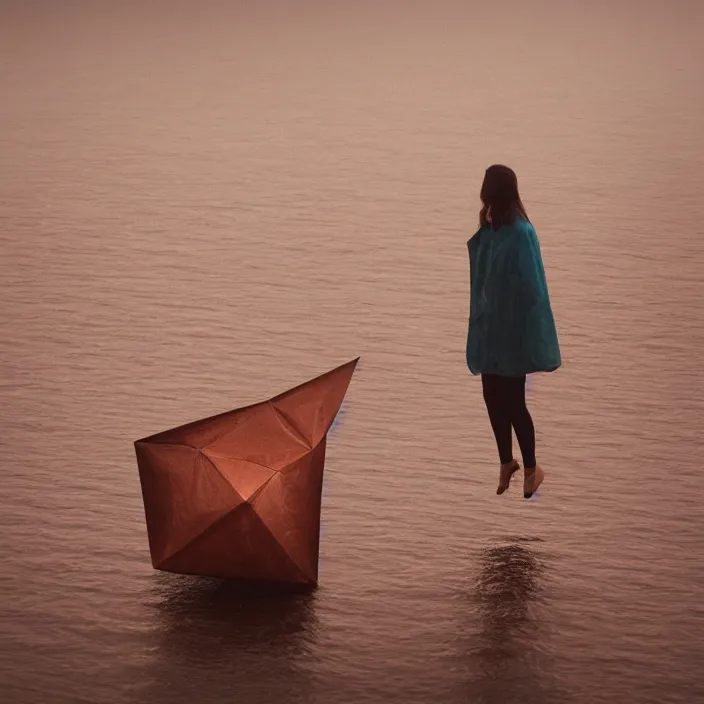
{"x":500,"y":198}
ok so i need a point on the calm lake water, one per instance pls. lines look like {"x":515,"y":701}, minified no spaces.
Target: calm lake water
{"x":202,"y":204}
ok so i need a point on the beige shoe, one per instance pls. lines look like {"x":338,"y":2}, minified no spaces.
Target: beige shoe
{"x":532,"y":479}
{"x":505,"y":474}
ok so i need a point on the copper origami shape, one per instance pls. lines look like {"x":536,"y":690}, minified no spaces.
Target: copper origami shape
{"x":238,"y":495}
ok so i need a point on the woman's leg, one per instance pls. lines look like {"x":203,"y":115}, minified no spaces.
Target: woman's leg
{"x":521,"y":419}
{"x":497,"y":403}
{"x":525,"y":432}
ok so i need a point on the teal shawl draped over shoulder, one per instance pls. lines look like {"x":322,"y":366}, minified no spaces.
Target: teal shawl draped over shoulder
{"x":511,"y":324}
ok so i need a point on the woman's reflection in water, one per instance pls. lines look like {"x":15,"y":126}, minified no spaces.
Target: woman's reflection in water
{"x":507,"y":588}
{"x":220,"y":641}
{"x":504,"y":649}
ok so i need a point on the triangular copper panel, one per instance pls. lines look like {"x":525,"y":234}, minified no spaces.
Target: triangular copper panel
{"x":183,"y":495}
{"x":311,"y":407}
{"x":245,"y":477}
{"x":289,"y":505}
{"x":239,"y":546}
{"x":200,"y":433}
{"x":260,"y":438}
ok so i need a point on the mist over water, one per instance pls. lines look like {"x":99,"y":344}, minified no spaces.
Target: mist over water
{"x":203,"y":204}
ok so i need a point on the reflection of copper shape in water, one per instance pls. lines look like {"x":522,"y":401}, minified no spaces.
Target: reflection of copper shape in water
{"x":238,"y":495}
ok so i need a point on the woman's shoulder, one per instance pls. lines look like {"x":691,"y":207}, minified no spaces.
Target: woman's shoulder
{"x":523,"y":233}
{"x":523,"y":225}
{"x":476,"y":237}
{"x":520,"y":227}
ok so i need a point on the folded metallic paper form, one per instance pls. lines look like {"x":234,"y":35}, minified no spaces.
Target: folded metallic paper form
{"x":238,"y":495}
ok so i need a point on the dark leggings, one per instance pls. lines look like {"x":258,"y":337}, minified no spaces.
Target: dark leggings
{"x":505,"y":398}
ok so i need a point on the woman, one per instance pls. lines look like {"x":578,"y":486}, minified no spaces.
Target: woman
{"x":511,"y":326}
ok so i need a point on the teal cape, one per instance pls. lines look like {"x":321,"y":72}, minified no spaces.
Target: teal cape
{"x":511,"y":324}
